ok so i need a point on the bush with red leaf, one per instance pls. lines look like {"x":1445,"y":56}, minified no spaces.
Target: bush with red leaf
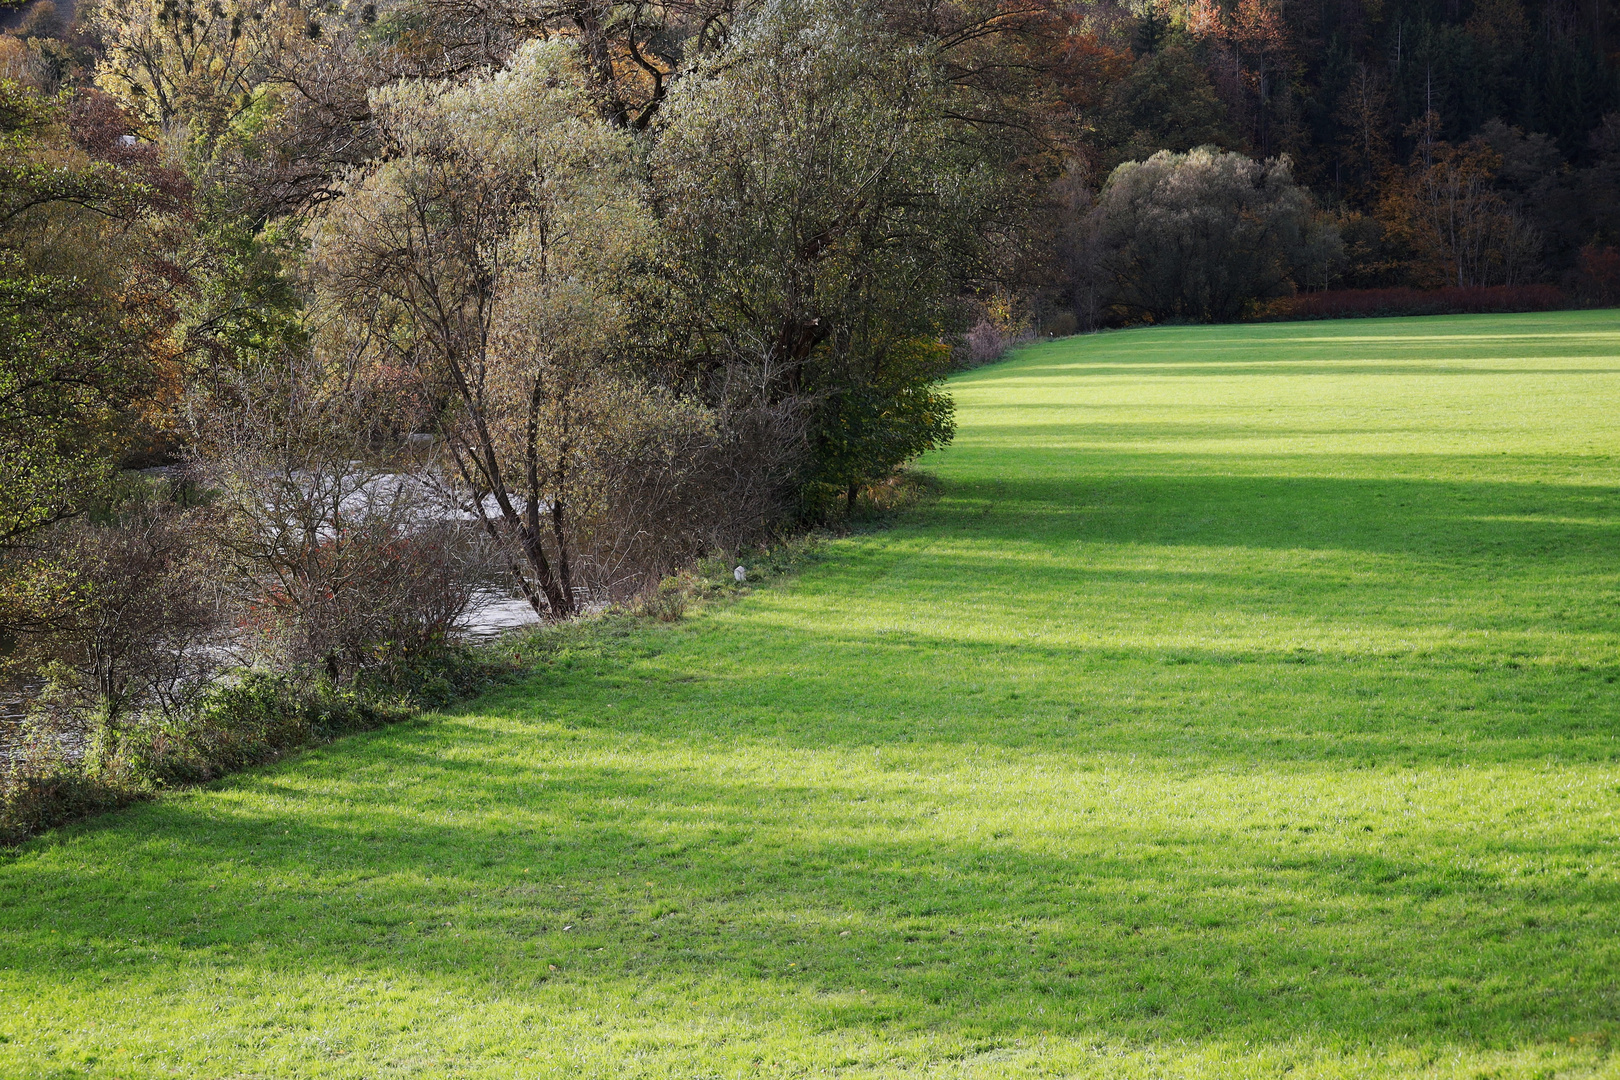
{"x":1597,"y":275}
{"x":1351,"y":303}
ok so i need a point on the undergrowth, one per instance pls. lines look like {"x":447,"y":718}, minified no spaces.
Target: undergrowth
{"x":248,"y":718}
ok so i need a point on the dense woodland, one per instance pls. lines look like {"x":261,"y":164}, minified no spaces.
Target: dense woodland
{"x":411,"y":301}
{"x":1452,"y":144}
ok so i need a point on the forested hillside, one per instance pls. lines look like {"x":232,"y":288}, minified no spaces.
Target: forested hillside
{"x":1424,"y":128}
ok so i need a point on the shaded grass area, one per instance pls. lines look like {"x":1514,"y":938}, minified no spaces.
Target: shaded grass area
{"x":1245,"y":705}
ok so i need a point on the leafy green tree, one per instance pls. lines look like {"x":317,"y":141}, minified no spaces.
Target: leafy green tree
{"x":1153,"y":29}
{"x":62,"y":389}
{"x":1200,"y":236}
{"x":69,"y":356}
{"x":73,"y":360}
{"x":882,"y":416}
{"x":41,"y":170}
{"x":823,"y":212}
{"x":477,"y":264}
{"x":180,"y":60}
{"x":131,"y":621}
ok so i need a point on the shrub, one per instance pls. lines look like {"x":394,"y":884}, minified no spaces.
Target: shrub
{"x":33,"y":799}
{"x":1347,"y":303}
{"x":245,"y":719}
{"x":336,"y":555}
{"x":377,"y":595}
{"x":985,"y":342}
{"x":255,"y":717}
{"x":1597,"y":275}
{"x":126,"y":624}
{"x":667,"y":601}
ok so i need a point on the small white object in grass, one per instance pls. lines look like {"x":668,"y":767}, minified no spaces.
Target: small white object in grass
{"x":740,"y":574}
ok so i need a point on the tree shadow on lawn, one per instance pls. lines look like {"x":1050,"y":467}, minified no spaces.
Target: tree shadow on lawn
{"x":1409,"y":620}
{"x":1183,"y":708}
{"x":1474,"y":340}
{"x":1463,"y":520}
{"x":1144,"y":932}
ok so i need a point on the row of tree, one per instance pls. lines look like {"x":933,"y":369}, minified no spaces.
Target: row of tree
{"x":409,"y":301}
{"x":649,"y":285}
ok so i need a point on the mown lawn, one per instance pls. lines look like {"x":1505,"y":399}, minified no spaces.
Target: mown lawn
{"x":1244,"y":705}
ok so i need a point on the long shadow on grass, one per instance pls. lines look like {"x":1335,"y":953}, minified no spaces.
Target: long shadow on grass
{"x":1142,"y":932}
{"x":1186,"y":707}
{"x":1456,"y":519}
{"x":1316,"y":662}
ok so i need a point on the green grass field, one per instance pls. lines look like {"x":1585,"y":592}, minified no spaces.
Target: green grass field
{"x":1246,"y":704}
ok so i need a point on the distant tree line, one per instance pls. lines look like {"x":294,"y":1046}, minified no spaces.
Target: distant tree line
{"x":1446,"y":144}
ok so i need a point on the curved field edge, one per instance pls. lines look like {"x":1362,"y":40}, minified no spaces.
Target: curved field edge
{"x":1244,"y":705}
